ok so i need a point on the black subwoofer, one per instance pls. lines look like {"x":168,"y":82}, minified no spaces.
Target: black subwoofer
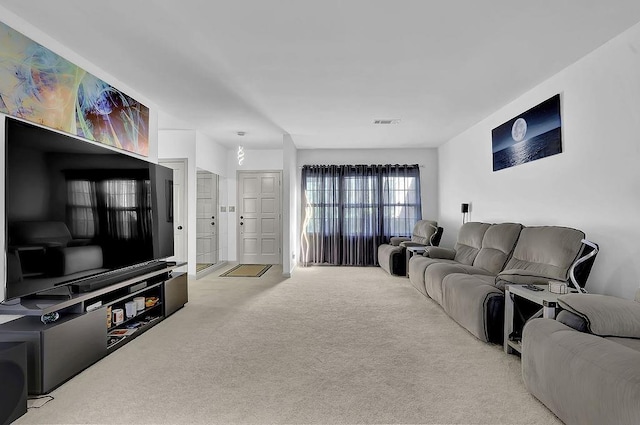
{"x":13,"y":375}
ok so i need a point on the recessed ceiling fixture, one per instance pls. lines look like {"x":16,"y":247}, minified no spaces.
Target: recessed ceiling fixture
{"x":394,"y":121}
{"x":241,"y":133}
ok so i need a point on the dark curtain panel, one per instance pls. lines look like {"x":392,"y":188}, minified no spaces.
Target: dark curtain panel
{"x":349,"y":210}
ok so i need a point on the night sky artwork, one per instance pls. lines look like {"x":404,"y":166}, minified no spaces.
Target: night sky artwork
{"x":531,"y":135}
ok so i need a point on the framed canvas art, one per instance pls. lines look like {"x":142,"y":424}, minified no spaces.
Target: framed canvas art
{"x":532,"y":135}
{"x":40,"y":86}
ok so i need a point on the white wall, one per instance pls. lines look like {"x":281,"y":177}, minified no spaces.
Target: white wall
{"x":594,"y":185}
{"x":35,"y":34}
{"x":290,"y":184}
{"x":426,"y":158}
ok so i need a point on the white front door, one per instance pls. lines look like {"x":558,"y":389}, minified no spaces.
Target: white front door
{"x":179,"y":209}
{"x":259,"y":217}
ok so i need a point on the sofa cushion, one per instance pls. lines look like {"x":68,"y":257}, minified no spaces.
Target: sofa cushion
{"x":497,"y":244}
{"x":605,"y":315}
{"x":546,"y":251}
{"x":417,"y":266}
{"x":469,"y":241}
{"x":435,"y":274}
{"x":633,"y":343}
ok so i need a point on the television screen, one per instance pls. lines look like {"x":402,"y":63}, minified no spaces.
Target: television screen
{"x":75,"y":209}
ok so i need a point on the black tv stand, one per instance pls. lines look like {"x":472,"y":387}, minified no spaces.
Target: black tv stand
{"x":85,"y":331}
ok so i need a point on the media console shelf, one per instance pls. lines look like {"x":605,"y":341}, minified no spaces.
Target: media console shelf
{"x":57,"y":351}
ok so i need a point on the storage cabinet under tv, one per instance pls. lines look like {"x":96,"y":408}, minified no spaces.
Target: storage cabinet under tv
{"x":85,"y":331}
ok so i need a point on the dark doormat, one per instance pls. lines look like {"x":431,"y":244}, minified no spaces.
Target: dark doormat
{"x":247,"y":270}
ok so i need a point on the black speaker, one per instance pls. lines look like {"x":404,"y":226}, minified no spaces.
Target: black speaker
{"x":464,"y":208}
{"x":13,"y":375}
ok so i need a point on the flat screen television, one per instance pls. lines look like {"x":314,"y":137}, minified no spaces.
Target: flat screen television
{"x":76,"y":211}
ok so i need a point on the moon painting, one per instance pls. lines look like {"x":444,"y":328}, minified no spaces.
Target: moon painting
{"x":519,"y":130}
{"x":532,"y":135}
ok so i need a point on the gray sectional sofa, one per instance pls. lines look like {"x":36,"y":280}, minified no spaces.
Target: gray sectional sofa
{"x":392,"y":256}
{"x":469,"y":280}
{"x":585,"y":365}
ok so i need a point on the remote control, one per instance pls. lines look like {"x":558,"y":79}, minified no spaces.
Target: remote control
{"x":533,"y":288}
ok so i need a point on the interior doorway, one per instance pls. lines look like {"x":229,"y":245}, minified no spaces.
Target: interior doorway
{"x":207,"y":222}
{"x":180,"y":231}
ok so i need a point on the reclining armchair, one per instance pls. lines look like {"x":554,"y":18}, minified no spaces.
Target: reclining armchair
{"x":590,"y":352}
{"x":391,"y":256}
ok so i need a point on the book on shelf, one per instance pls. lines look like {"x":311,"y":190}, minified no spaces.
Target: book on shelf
{"x":121,"y":332}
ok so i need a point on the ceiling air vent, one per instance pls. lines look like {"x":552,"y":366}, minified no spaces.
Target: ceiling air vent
{"x":396,"y":121}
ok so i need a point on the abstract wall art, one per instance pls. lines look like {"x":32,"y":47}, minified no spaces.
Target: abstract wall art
{"x":532,"y":135}
{"x":40,"y":86}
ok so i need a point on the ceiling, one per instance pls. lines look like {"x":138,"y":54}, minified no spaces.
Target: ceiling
{"x":324,"y":70}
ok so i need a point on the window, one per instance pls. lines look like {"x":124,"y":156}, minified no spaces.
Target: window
{"x":350,"y":210}
{"x":401,"y":203}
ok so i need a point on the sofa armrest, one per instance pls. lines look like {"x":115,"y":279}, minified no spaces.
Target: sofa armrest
{"x":396,"y":240}
{"x":439,"y":252}
{"x":411,"y":243}
{"x":521,"y":277}
{"x":605,"y":315}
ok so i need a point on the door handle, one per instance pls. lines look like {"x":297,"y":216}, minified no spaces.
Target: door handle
{"x":241,"y":223}
{"x":213,"y":223}
{"x":179,"y":227}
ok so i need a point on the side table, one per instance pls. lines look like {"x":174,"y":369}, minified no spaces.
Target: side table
{"x":410,"y":251}
{"x":547,"y":300}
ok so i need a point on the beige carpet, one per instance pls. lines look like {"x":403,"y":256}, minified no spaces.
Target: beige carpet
{"x":329,"y":345}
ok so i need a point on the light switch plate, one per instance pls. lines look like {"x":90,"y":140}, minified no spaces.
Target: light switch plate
{"x":223,"y":208}
{"x":232,"y":208}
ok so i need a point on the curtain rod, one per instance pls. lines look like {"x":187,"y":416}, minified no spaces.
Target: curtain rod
{"x":366,"y":165}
